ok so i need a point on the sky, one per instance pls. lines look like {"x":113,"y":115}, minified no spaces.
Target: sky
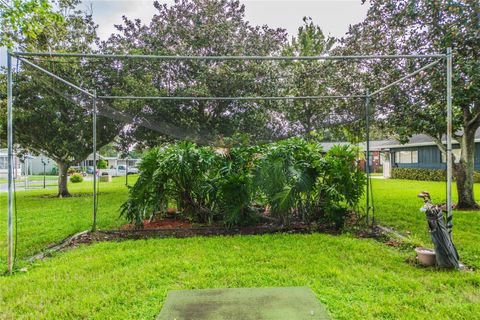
{"x":334,"y":17}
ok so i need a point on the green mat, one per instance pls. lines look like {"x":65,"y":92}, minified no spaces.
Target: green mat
{"x":292,"y":303}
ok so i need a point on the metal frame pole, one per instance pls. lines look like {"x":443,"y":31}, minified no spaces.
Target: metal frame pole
{"x":126,"y":171}
{"x":449,"y":137}
{"x":367,"y":152}
{"x":10,"y":159}
{"x":224,"y":58}
{"x":94,"y":142}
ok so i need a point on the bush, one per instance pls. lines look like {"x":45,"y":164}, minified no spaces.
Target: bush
{"x":102,"y":164}
{"x":292,"y":177}
{"x":426,"y":174}
{"x":419,"y":174}
{"x":71,"y":171}
{"x":76,"y":178}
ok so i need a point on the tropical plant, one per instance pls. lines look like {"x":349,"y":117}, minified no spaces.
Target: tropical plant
{"x":179,"y":173}
{"x":340,"y":185}
{"x":286,"y":175}
{"x":208,"y":185}
{"x":235,"y":187}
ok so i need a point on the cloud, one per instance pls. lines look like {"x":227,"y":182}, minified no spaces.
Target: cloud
{"x":333,"y":16}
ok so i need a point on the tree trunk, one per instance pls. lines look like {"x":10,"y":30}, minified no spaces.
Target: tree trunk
{"x":464,"y":171}
{"x":62,"y":180}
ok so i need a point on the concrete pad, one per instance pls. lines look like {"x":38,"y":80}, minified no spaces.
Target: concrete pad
{"x":291,"y":303}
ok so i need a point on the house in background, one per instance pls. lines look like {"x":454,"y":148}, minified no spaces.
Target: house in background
{"x":40,"y":164}
{"x":115,"y":165}
{"x":17,"y":165}
{"x":376,"y":158}
{"x":422,"y":153}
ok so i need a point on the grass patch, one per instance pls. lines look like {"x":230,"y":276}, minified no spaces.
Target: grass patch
{"x":354,"y":278}
{"x":397,"y":205}
{"x":43,"y":219}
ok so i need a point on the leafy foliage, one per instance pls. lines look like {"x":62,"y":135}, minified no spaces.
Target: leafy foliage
{"x":25,"y":19}
{"x":76,"y":178}
{"x":425,"y":174}
{"x":417,"y":105}
{"x":292,"y":178}
{"x":197,"y":27}
{"x":50,"y":118}
{"x":297,"y":180}
{"x":102,"y":164}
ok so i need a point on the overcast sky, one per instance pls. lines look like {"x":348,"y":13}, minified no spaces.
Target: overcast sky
{"x":334,"y":16}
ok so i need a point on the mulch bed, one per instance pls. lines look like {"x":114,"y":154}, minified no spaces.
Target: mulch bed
{"x":182,"y":231}
{"x":175,"y":227}
{"x":168,"y":223}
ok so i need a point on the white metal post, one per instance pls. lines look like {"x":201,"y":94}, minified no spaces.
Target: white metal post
{"x":10,"y":160}
{"x":94,"y":115}
{"x":367,"y":153}
{"x":449,"y":136}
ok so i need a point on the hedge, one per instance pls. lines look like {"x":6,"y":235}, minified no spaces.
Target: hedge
{"x":425,"y":174}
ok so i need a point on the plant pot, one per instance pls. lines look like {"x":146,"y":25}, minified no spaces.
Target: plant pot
{"x":425,"y":256}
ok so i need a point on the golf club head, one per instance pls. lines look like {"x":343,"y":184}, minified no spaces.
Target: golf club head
{"x":424,"y":195}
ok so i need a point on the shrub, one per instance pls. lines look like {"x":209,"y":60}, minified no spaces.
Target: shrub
{"x":182,"y":173}
{"x":71,"y":171}
{"x":426,"y":174}
{"x":286,"y":175}
{"x":102,"y":164}
{"x":292,"y":177}
{"x":419,"y":174}
{"x":76,"y":178}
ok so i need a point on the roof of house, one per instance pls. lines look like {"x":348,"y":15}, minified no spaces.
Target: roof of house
{"x":418,"y":140}
{"x":375,"y":145}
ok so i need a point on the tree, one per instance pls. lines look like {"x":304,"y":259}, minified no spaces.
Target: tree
{"x":25,"y":19}
{"x":418,"y":105}
{"x":50,"y":118}
{"x":308,"y":78}
{"x":197,"y":27}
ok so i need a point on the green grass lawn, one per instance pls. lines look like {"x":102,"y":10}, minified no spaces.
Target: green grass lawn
{"x":33,"y":177}
{"x":397,"y":205}
{"x":40,"y":177}
{"x":45,"y":220}
{"x":354,"y":278}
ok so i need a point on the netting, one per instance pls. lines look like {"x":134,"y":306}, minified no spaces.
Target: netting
{"x":142,"y":103}
{"x":224,"y":103}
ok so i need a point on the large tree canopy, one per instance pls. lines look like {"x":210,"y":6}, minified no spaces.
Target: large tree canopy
{"x":49,"y":117}
{"x":308,"y":78}
{"x":21,"y":20}
{"x":419,"y":104}
{"x":197,"y":27}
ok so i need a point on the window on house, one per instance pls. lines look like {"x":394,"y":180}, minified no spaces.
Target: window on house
{"x":406,"y":156}
{"x":3,"y":162}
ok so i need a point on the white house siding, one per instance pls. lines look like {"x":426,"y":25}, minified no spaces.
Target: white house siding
{"x":17,"y":169}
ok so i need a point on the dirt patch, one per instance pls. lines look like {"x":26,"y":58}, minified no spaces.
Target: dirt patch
{"x":184,"y":231}
{"x":168,"y":223}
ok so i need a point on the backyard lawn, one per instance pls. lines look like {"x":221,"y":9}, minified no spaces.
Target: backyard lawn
{"x":354,"y":278}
